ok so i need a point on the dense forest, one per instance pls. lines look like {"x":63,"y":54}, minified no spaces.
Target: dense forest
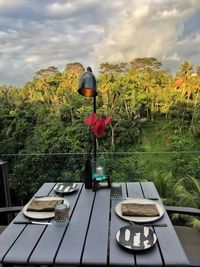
{"x":154,"y":134}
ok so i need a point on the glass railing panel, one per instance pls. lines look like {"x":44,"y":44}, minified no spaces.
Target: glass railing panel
{"x":27,"y":172}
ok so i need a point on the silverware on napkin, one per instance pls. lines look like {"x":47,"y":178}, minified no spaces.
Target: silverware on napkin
{"x":149,"y":224}
{"x":46,"y":196}
{"x":32,"y":222}
{"x":156,"y":224}
{"x":149,"y":198}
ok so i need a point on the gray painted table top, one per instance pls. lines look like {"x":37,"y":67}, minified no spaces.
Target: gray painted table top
{"x":89,"y":238}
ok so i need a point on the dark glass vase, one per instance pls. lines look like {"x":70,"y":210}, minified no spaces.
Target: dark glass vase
{"x":88,"y":174}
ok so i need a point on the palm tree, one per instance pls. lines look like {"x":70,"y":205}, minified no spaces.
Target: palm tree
{"x":186,"y":70}
{"x":188,"y":194}
{"x":196,"y":78}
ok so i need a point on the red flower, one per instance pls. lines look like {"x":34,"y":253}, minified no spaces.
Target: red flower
{"x":99,"y":127}
{"x":108,"y":120}
{"x":91,"y":119}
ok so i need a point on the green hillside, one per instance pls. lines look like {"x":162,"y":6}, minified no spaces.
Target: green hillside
{"x":154,"y":134}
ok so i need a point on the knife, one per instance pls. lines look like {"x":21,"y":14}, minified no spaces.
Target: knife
{"x":156,"y":224}
{"x":33,"y":222}
{"x":149,"y":198}
{"x":149,"y":224}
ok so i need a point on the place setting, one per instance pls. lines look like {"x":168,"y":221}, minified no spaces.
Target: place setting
{"x":141,"y":214}
{"x":41,"y":209}
{"x":139,"y":210}
{"x":44,"y":207}
{"x":65,"y":188}
{"x":47,"y":207}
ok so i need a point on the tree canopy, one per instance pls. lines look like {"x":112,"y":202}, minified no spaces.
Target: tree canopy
{"x":152,"y":110}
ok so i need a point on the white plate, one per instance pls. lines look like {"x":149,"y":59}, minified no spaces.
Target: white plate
{"x":65,"y":188}
{"x":139,"y":218}
{"x":42,"y":214}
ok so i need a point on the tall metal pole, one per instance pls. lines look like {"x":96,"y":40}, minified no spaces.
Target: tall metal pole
{"x":88,"y":87}
{"x":95,"y":140}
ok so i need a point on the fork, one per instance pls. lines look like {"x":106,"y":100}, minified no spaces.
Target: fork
{"x":54,"y":194}
{"x":150,"y":198}
{"x":149,"y":224}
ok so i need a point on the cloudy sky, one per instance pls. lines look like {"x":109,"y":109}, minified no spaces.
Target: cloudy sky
{"x":36,"y":34}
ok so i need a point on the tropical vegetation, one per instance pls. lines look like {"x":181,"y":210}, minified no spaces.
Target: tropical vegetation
{"x":154,"y":134}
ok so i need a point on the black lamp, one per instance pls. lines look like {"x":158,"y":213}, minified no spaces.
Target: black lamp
{"x":88,"y":87}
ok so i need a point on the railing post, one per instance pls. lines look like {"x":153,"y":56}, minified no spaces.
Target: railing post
{"x":5,"y":199}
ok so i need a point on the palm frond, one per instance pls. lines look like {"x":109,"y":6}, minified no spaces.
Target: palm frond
{"x":194,"y":222}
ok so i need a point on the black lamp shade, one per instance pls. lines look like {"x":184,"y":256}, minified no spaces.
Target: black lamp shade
{"x":87,"y":85}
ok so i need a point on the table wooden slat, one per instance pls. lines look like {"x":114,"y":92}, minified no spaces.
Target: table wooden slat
{"x":27,"y":235}
{"x":134,"y":190}
{"x":152,"y":256}
{"x":96,"y":245}
{"x":70,"y":251}
{"x":172,"y":251}
{"x":10,"y":235}
{"x":24,"y":245}
{"x":46,"y":249}
{"x":89,"y":238}
{"x":118,"y":256}
{"x":45,"y":189}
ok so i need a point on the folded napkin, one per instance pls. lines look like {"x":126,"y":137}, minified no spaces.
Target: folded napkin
{"x":44,"y":204}
{"x":136,"y":209}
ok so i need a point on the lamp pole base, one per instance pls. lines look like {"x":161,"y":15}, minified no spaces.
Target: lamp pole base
{"x":88,"y":174}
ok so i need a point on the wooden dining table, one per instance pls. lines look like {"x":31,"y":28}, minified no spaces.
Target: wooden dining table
{"x":89,"y":236}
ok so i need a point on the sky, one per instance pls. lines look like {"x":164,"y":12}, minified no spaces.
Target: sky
{"x":36,"y":34}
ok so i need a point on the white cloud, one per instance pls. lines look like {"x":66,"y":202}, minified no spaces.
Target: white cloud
{"x":10,"y":3}
{"x":32,"y":59}
{"x":172,"y":57}
{"x":37,"y":34}
{"x":61,"y":8}
{"x":149,"y":29}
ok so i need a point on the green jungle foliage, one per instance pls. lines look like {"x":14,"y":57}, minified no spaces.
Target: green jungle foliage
{"x":154,"y":135}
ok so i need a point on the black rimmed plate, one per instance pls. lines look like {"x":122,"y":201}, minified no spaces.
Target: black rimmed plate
{"x":136,"y":237}
{"x":66,"y":188}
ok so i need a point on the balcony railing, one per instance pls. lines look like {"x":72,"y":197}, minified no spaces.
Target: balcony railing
{"x":27,"y":172}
